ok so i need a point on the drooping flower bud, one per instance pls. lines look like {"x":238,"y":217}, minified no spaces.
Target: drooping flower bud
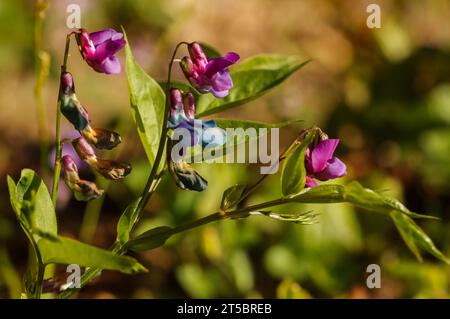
{"x":112,"y":169}
{"x":99,"y":48}
{"x":186,"y":177}
{"x":189,"y":104}
{"x":71,"y":108}
{"x":83,"y":190}
{"x":84,"y":150}
{"x":101,"y":138}
{"x":177,"y":114}
{"x":197,"y":54}
{"x":67,"y":85}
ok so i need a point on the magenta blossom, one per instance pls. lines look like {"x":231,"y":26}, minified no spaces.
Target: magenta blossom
{"x":99,"y":49}
{"x":208,"y":75}
{"x":321,"y":164}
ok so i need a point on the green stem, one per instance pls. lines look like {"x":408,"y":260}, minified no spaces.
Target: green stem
{"x":42,"y":65}
{"x":58,"y":145}
{"x":151,"y":182}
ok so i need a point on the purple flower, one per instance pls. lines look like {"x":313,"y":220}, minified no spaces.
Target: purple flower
{"x":208,"y":75}
{"x":99,"y":49}
{"x":321,"y":164}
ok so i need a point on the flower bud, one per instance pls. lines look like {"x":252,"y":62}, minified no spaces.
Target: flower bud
{"x":83,"y":190}
{"x":84,"y":150}
{"x":71,"y":108}
{"x":189,"y":105}
{"x":101,"y":138}
{"x":177,"y":114}
{"x":186,"y":177}
{"x":67,"y":85}
{"x":197,"y":54}
{"x":112,"y":169}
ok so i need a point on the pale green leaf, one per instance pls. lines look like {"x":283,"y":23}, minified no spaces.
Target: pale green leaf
{"x":69,"y":251}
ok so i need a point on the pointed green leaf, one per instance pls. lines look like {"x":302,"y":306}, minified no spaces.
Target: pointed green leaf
{"x":251,"y":78}
{"x":147,"y":101}
{"x":126,"y":222}
{"x":150,"y":239}
{"x":415,"y":237}
{"x":293,"y":176}
{"x":69,"y":251}
{"x":32,"y":203}
{"x":231,"y":196}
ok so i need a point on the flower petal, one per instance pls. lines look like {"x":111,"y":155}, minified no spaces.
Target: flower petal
{"x":99,"y":37}
{"x":310,"y":182}
{"x":335,"y":168}
{"x":110,"y":65}
{"x":108,"y":49}
{"x":222,"y":82}
{"x":322,"y":153}
{"x":219,"y":64}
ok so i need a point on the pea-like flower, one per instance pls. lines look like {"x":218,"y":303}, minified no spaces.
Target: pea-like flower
{"x":321,"y":164}
{"x":208,"y":75}
{"x":82,"y":189}
{"x":182,"y":112}
{"x":110,"y":169}
{"x":186,"y":177}
{"x":99,"y":48}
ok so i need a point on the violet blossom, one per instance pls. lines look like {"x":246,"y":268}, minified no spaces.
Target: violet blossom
{"x":321,"y":164}
{"x":208,"y":75}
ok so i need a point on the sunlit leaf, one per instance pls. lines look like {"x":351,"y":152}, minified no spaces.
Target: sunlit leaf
{"x":127,"y":221}
{"x":150,"y":239}
{"x":69,"y":251}
{"x":415,"y":237}
{"x":251,"y":78}
{"x":231,"y":196}
{"x":147,"y":101}
{"x":293,"y":176}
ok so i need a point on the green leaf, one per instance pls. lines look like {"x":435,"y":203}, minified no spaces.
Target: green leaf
{"x":293,"y":176}
{"x":150,"y":239}
{"x":231,"y":196}
{"x":415,"y":237}
{"x":69,"y":251}
{"x":356,"y":194}
{"x":307,"y":218}
{"x":32,"y":203}
{"x":251,"y":78}
{"x":126,"y":222}
{"x":147,"y":101}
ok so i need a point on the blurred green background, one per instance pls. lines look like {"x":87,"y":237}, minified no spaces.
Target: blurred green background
{"x":384,"y":92}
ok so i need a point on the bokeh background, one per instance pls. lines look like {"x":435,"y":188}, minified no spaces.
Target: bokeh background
{"x":384,"y":92}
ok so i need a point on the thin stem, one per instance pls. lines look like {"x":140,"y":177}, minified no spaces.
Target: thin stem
{"x":148,"y":189}
{"x":42,"y":65}
{"x":58,"y":144}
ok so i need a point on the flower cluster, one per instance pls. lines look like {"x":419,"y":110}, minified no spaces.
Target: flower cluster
{"x":206,"y":76}
{"x":98,"y":50}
